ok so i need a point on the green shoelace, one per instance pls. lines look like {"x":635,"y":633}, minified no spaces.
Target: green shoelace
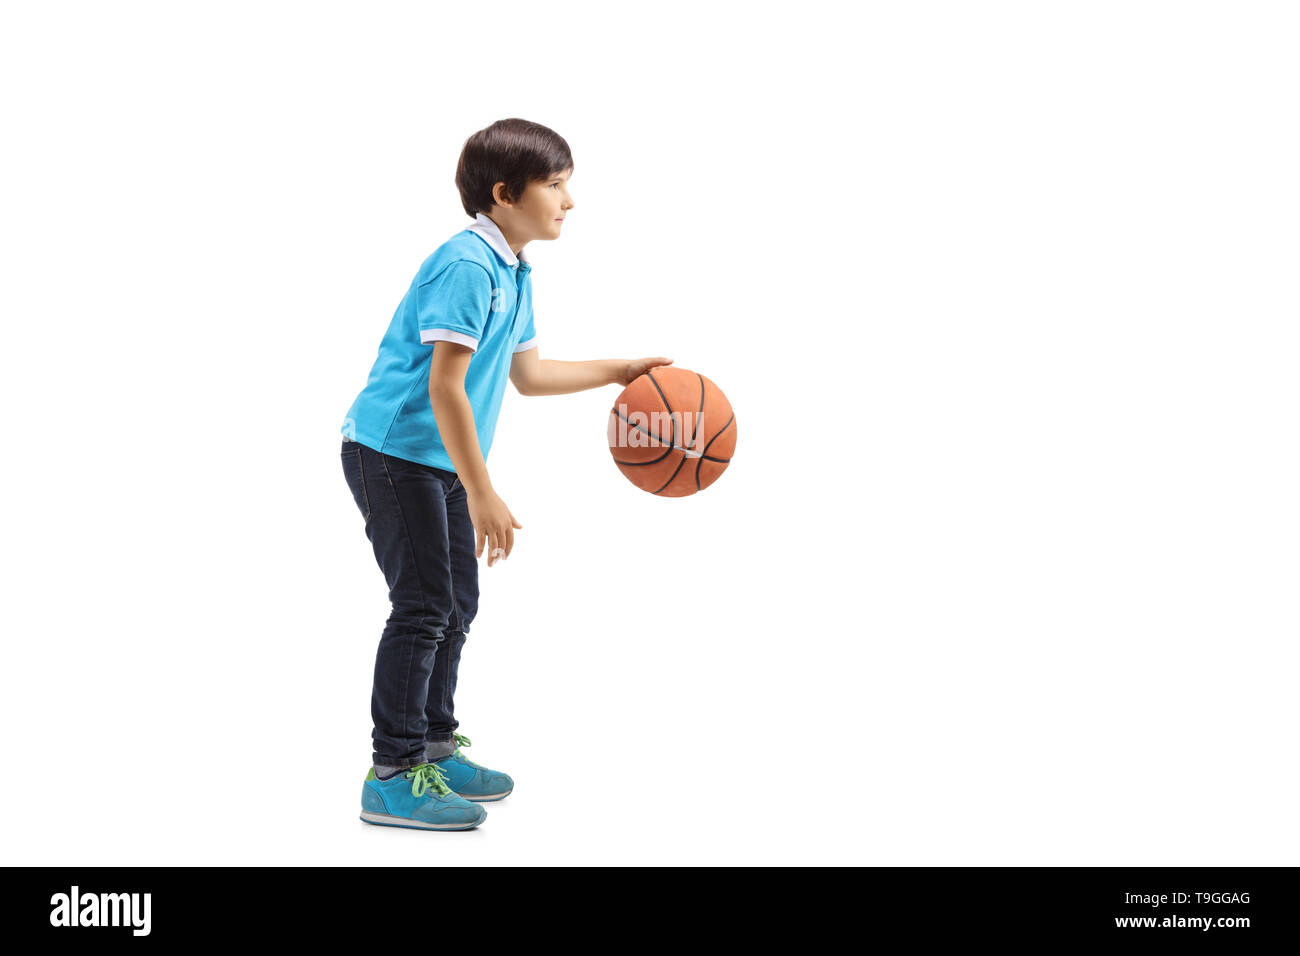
{"x":426,"y":777}
{"x":462,"y":741}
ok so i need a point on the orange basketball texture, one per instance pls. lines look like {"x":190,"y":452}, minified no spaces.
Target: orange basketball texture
{"x":672,"y":432}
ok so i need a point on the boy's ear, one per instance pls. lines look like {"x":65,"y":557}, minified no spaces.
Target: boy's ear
{"x":501,"y":193}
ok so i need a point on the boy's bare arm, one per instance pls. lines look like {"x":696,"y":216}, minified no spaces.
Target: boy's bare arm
{"x":493,"y":522}
{"x":537,"y":376}
{"x":454,"y":414}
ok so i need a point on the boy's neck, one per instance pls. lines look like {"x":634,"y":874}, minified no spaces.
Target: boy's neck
{"x":514,"y":245}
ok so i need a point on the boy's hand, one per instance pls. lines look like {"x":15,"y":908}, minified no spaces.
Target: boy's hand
{"x":494,"y":523}
{"x":635,"y":369}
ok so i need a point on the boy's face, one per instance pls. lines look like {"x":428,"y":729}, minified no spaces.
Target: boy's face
{"x":540,"y":212}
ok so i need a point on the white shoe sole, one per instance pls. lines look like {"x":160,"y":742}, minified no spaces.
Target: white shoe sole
{"x":486,"y":797}
{"x":388,"y":820}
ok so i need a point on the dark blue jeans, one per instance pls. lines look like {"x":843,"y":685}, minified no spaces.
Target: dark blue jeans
{"x":417,"y":520}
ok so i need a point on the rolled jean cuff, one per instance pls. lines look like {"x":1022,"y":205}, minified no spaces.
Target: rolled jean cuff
{"x":387,"y":768}
{"x":437,"y":749}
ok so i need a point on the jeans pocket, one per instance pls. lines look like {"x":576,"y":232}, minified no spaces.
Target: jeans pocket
{"x":356,"y":478}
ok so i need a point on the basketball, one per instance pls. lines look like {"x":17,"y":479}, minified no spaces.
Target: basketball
{"x":672,"y":432}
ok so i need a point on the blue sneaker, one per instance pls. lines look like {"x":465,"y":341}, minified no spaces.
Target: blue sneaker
{"x":474,"y":783}
{"x":418,"y":799}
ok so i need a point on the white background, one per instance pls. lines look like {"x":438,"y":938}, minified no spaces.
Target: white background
{"x":1004,"y":296}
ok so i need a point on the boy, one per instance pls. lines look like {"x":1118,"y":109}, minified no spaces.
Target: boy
{"x":415,"y":445}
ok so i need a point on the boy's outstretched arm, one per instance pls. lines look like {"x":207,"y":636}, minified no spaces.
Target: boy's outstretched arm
{"x":492,"y":520}
{"x":537,"y":376}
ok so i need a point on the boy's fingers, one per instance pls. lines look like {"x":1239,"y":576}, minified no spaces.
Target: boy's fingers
{"x":495,"y":544}
{"x":510,"y":541}
{"x":478,"y":553}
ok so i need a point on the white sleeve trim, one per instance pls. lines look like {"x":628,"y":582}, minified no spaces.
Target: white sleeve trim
{"x":447,"y":335}
{"x":525,"y":346}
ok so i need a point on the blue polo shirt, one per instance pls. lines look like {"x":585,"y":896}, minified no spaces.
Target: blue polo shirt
{"x":474,"y":291}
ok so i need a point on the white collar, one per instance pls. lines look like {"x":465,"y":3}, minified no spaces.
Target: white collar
{"x":490,"y":231}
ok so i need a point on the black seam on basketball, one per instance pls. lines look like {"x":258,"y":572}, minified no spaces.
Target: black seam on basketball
{"x":720,"y":431}
{"x":619,"y":461}
{"x":636,"y":426}
{"x":706,"y":448}
{"x":699,"y":423}
{"x":668,"y":407}
{"x":674,"y":475}
{"x":699,"y":420}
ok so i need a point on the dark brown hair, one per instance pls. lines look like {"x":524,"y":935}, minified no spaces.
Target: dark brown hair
{"x":511,"y":151}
